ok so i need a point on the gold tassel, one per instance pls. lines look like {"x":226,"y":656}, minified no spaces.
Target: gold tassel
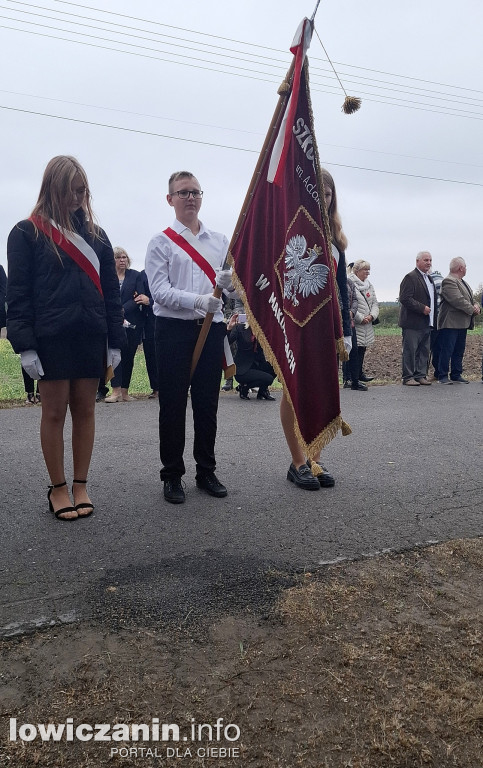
{"x":341,"y":350}
{"x":345,"y":428}
{"x":315,"y":468}
{"x":284,"y":88}
{"x":351,"y":104}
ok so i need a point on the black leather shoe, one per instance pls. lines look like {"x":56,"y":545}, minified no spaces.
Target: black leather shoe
{"x":461,"y":380}
{"x":264,"y":394}
{"x":347,"y":384}
{"x":303,"y":478}
{"x":244,"y":390}
{"x":211,"y":485}
{"x":325,"y":478}
{"x":366,"y":378}
{"x":173,"y":491}
{"x":359,"y":386}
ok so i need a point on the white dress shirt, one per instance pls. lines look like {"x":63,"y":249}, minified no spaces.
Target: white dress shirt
{"x":174,"y":278}
{"x":431,"y":291}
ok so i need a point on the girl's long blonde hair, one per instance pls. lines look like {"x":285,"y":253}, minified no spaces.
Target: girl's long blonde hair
{"x":335,"y":223}
{"x":56,"y":192}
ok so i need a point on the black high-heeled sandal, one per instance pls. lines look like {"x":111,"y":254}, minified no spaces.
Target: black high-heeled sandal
{"x":85,"y":504}
{"x":58,"y":512}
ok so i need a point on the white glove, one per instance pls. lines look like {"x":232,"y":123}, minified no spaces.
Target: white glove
{"x":223,"y":279}
{"x":113,"y":357}
{"x":348,"y":344}
{"x":208,"y":304}
{"x":31,"y":363}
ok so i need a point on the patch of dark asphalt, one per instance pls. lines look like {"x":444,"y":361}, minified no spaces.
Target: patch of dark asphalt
{"x":188,"y":592}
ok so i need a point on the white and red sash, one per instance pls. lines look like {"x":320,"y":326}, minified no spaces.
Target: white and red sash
{"x":74,"y":246}
{"x":190,"y":245}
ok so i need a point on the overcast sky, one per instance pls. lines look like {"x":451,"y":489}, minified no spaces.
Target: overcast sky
{"x":193,"y":84}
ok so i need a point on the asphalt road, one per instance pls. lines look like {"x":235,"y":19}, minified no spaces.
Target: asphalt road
{"x":410,"y":474}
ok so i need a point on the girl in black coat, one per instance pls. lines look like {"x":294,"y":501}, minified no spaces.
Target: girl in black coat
{"x":64,"y":317}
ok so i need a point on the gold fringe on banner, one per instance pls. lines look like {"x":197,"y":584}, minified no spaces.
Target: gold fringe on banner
{"x":341,"y":350}
{"x":331,"y":430}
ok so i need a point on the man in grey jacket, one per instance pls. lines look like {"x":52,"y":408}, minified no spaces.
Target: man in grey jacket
{"x":456,"y":315}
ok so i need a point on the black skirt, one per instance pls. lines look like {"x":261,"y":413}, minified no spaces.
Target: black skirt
{"x":72,"y":357}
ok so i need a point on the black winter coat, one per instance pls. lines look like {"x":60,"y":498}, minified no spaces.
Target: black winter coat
{"x":48,"y":294}
{"x":341,"y":277}
{"x":249,"y":353}
{"x":3,"y":296}
{"x":134,"y":313}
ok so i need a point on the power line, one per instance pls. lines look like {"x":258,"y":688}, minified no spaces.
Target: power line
{"x":387,"y":100}
{"x":137,"y":29}
{"x":130,"y":112}
{"x":255,"y":45}
{"x":243,"y":53}
{"x":227,"y":128}
{"x":122,"y":42}
{"x":132,"y":53}
{"x":224,"y":146}
{"x":409,"y":175}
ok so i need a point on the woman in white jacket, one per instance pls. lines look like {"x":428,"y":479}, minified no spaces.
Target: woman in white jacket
{"x":367,"y":311}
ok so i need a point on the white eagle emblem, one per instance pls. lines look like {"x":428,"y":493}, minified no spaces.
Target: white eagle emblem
{"x":302,"y":276}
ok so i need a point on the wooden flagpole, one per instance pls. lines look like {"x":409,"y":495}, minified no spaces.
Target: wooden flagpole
{"x":246,"y":203}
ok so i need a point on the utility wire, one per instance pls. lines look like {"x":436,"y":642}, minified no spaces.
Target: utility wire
{"x":243,"y":53}
{"x":421,"y":107}
{"x":227,"y":128}
{"x":452,"y":110}
{"x":224,"y":146}
{"x":130,"y":112}
{"x":141,"y":55}
{"x":251,"y":45}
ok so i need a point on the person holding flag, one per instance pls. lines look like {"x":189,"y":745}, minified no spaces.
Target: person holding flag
{"x":183,"y":265}
{"x":64,"y":317}
{"x":289,"y":270}
{"x":301,"y":472}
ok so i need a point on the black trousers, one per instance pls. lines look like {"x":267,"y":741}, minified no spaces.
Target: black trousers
{"x":350,"y":367}
{"x":29,"y":383}
{"x":123,"y":372}
{"x":261,"y":377}
{"x":361,"y":351}
{"x":451,"y":351}
{"x":150,"y":351}
{"x":175,"y":341}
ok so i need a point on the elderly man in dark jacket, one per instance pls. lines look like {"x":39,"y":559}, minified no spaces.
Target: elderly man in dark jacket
{"x":417,"y":317}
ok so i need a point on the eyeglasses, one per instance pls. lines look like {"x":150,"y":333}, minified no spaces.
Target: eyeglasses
{"x":184,"y":194}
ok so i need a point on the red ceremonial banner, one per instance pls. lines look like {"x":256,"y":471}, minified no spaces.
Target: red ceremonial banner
{"x":285,"y":272}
